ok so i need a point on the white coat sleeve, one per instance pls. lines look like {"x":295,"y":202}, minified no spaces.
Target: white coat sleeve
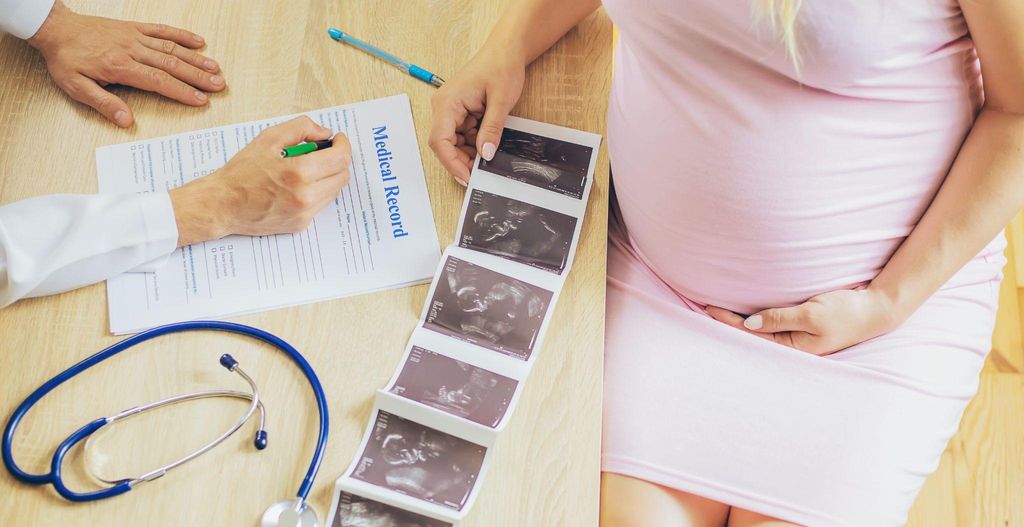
{"x":22,"y":18}
{"x":55,"y":243}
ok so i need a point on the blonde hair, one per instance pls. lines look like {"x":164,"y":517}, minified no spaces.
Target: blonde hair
{"x":781,"y":14}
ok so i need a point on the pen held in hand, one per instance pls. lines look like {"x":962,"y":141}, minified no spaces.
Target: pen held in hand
{"x":305,"y":148}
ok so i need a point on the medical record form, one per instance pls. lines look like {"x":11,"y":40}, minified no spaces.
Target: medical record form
{"x":378,"y":233}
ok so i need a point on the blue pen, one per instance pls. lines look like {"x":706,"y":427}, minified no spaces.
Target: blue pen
{"x":411,"y":69}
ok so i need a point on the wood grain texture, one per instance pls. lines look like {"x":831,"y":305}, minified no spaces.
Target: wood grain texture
{"x":1007,"y":343}
{"x":981,"y":477}
{"x":278,"y":60}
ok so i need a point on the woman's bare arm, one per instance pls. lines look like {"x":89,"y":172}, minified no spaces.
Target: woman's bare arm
{"x":470,"y":110}
{"x":985,"y":187}
{"x":982,"y":192}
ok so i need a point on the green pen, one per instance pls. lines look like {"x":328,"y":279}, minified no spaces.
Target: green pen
{"x":305,"y":148}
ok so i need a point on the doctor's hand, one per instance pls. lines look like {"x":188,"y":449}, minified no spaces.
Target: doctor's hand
{"x":85,"y":53}
{"x":258,"y":192}
{"x":825,"y":324}
{"x":469,"y":111}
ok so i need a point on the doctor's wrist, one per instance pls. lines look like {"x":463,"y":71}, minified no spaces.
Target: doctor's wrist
{"x":198,"y":212}
{"x":49,"y":32}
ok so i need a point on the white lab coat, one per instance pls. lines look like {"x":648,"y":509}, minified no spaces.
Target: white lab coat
{"x":22,"y":18}
{"x":55,"y":243}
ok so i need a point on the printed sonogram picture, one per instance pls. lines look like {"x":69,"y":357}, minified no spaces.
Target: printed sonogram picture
{"x":418,"y":461}
{"x":455,"y":387}
{"x":357,"y":511}
{"x":552,"y":164}
{"x":487,"y":308}
{"x":518,"y":231}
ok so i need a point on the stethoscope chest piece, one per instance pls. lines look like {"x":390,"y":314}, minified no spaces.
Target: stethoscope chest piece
{"x":290,"y":513}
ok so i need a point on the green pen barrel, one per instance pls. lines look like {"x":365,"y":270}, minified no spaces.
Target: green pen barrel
{"x":305,"y":148}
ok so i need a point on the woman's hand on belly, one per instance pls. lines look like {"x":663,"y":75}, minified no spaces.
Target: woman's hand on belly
{"x":822,"y":325}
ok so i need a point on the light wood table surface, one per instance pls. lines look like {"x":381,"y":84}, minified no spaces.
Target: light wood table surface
{"x":278,"y":60}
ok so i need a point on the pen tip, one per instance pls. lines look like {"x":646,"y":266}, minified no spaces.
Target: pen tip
{"x":334,"y":33}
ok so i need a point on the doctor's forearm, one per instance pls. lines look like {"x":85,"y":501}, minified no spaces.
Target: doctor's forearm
{"x":981,"y":194}
{"x":59,"y":242}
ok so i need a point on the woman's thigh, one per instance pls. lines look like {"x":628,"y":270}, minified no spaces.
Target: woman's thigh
{"x":631,"y":502}
{"x":745,"y":518}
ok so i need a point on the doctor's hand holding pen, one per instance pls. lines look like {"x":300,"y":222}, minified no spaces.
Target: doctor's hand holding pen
{"x":259,"y":191}
{"x":85,"y":53}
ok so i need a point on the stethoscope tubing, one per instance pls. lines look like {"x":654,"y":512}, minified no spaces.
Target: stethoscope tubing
{"x":54,"y":476}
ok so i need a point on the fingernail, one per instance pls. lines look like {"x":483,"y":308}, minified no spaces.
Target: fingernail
{"x":489,"y":151}
{"x":217,"y":80}
{"x":198,"y":39}
{"x":201,"y":96}
{"x":463,"y":183}
{"x":209,"y":64}
{"x":755,"y":322}
{"x":121,"y":118}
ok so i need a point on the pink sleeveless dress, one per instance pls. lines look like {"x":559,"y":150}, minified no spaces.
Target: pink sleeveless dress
{"x":740,"y":187}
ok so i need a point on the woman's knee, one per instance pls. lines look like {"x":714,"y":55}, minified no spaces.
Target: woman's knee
{"x":631,"y":502}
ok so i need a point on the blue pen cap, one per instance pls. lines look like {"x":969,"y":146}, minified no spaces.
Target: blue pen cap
{"x":334,"y":33}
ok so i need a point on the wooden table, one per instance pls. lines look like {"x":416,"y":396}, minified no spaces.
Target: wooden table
{"x":279,"y":60}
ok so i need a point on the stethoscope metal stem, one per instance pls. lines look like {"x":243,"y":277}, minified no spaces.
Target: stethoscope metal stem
{"x":260,"y":441}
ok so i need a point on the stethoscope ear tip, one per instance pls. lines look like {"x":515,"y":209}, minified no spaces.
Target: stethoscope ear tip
{"x":228,"y":361}
{"x":261,"y":440}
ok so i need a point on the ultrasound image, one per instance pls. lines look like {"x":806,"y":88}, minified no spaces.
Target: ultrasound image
{"x":518,"y":231}
{"x":357,"y":511}
{"x":487,"y":308}
{"x":418,"y":461}
{"x":540,"y":161}
{"x":455,"y":387}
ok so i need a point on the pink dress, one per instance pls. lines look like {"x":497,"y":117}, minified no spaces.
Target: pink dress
{"x":740,"y":187}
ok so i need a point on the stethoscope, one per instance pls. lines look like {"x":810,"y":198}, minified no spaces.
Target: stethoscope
{"x":294,"y":512}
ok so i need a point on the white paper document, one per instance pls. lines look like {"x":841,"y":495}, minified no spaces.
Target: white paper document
{"x":378,"y":234}
{"x":426,"y":449}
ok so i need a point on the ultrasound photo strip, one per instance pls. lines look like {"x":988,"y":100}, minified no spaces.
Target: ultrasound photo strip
{"x":454,"y":387}
{"x":415,"y":467}
{"x":516,"y":219}
{"x":352,"y":510}
{"x":495,"y":305}
{"x":542,"y":161}
{"x":425,"y":452}
{"x":413,"y":459}
{"x":517,"y":231}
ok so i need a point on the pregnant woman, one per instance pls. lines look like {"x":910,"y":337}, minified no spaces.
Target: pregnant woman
{"x":805,"y":246}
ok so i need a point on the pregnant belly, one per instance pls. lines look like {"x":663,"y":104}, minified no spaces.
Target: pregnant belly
{"x":749,"y":243}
